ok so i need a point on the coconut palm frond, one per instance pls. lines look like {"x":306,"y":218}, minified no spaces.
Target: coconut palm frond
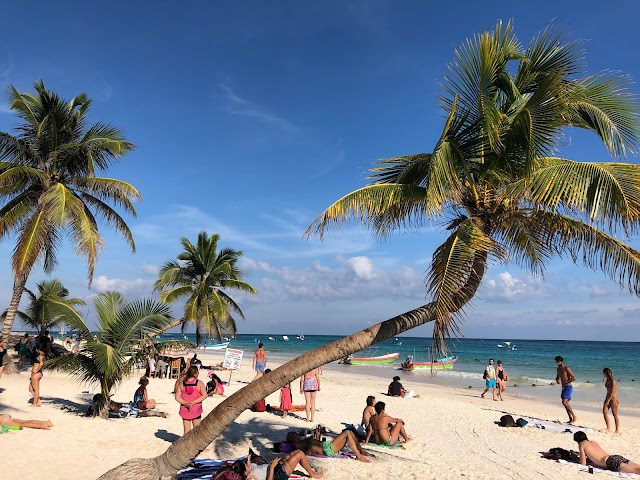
{"x":452,"y":271}
{"x":608,"y":194}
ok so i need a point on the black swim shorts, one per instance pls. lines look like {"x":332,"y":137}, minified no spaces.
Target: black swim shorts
{"x":614,"y":462}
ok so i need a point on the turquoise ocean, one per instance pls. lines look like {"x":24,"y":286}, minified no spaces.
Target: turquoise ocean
{"x":532,"y":363}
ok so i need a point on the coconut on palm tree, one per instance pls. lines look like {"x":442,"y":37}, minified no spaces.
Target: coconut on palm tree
{"x":202,"y":275}
{"x":121,"y":342}
{"x":494,"y":180}
{"x":49,"y":308}
{"x":49,"y":187}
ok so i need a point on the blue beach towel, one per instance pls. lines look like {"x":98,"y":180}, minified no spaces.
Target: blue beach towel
{"x":206,"y":468}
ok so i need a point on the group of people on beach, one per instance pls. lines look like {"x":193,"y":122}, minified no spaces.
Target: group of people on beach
{"x":496,"y":378}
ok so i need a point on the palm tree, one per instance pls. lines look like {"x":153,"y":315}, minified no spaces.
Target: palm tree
{"x":49,"y":185}
{"x":200,"y":274}
{"x":121,"y":342}
{"x":493,"y":181}
{"x":49,"y":308}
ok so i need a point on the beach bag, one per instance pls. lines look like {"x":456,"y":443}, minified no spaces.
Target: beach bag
{"x":225,"y":473}
{"x":484,"y":375}
{"x":521,"y":422}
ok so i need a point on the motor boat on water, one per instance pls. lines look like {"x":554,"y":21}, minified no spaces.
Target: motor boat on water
{"x":285,"y":338}
{"x":371,"y":358}
{"x":272,"y":339}
{"x":441,"y":364}
{"x":301,"y":337}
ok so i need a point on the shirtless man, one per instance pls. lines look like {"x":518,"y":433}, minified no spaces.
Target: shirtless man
{"x":565,"y":376}
{"x":595,"y":454}
{"x":381,"y":429}
{"x":330,"y":448}
{"x":259,"y":361}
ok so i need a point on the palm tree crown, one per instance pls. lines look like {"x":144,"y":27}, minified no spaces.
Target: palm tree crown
{"x":120,"y":343}
{"x":48,"y":182}
{"x":49,"y":308}
{"x":494,"y":179}
{"x":200,"y":274}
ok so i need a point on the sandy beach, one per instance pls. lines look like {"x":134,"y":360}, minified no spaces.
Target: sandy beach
{"x":453,"y":430}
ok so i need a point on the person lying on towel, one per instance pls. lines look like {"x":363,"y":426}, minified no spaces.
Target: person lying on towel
{"x":590,"y":450}
{"x":279,"y":469}
{"x":330,"y":448}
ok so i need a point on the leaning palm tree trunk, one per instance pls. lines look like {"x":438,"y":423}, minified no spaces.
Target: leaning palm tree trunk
{"x":18,"y":288}
{"x":186,"y":448}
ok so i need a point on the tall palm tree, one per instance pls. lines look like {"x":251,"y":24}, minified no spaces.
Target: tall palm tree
{"x":49,"y":308}
{"x":121,"y":342}
{"x":494,"y":182}
{"x":48,"y":183}
{"x":200,"y":274}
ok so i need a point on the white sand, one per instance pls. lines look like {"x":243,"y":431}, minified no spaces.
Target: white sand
{"x":453,"y":430}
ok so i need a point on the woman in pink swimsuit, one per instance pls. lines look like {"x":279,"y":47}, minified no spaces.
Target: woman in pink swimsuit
{"x":190,"y":395}
{"x":310,"y":385}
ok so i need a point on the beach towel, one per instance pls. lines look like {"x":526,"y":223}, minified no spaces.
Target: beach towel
{"x":599,"y":470}
{"x":555,"y":427}
{"x":206,"y":468}
{"x":397,"y":445}
{"x":341,"y":455}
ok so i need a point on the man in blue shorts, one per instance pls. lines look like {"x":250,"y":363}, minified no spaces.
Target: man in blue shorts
{"x":565,"y":376}
{"x":490,"y":379}
{"x":259,"y":361}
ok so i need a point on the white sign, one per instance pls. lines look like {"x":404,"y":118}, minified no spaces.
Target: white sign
{"x":232,"y":359}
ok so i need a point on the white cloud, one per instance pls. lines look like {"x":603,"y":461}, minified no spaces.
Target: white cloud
{"x":506,"y":288}
{"x":356,"y":278}
{"x":362,"y":267}
{"x":149,"y":269}
{"x":133,"y":288}
{"x":237,"y":105}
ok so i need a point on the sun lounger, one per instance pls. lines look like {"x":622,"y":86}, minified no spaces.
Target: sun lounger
{"x":599,"y":470}
{"x":206,"y":467}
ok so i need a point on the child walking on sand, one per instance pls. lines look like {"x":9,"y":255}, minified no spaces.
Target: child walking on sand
{"x":285,"y":399}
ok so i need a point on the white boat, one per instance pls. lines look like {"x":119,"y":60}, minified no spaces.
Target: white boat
{"x":215,"y":346}
{"x":285,"y":338}
{"x":272,"y":339}
{"x":301,"y":337}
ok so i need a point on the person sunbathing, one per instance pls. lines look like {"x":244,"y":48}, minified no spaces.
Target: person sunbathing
{"x":384,"y":429}
{"x":278,"y":469}
{"x":330,"y":448}
{"x":590,"y":450}
{"x":16,"y":422}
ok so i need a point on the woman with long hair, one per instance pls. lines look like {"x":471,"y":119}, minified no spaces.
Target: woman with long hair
{"x":611,"y":400}
{"x":36,"y":375}
{"x":190,"y":395}
{"x":310,"y":385}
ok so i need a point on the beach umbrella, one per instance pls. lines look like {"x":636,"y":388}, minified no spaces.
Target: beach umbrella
{"x":176,"y":351}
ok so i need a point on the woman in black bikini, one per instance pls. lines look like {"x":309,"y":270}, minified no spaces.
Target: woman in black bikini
{"x":501,"y":379}
{"x":36,"y":376}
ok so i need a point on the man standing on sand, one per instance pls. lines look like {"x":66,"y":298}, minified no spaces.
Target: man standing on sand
{"x":590,"y":450}
{"x":490,"y":379}
{"x":565,"y":376}
{"x":259,"y":361}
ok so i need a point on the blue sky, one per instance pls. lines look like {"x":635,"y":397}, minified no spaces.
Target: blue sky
{"x":250,"y":119}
